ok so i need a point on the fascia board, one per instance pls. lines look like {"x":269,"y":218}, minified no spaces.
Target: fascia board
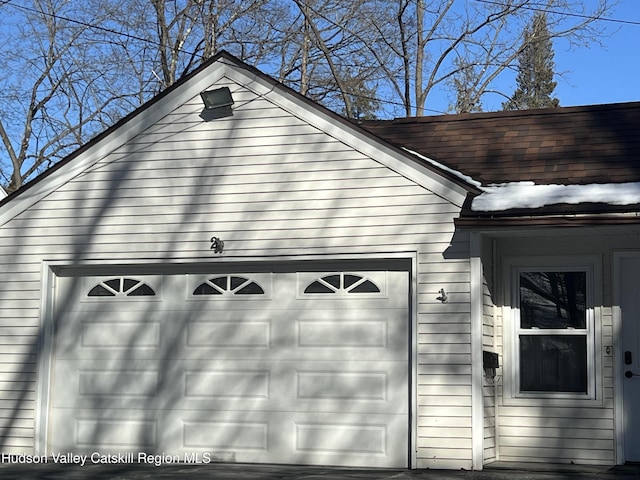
{"x":402,"y":163}
{"x":2,"y":193}
{"x":145,"y":118}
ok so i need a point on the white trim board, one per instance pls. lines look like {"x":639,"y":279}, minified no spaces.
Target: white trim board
{"x":45,"y":355}
{"x":477,"y":397}
{"x":51,"y":270}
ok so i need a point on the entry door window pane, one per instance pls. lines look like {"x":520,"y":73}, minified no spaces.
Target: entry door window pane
{"x":553,"y":363}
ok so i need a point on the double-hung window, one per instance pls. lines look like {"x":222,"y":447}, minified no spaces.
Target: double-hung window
{"x":553,"y":332}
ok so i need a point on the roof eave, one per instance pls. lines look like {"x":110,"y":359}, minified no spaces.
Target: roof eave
{"x":541,"y":221}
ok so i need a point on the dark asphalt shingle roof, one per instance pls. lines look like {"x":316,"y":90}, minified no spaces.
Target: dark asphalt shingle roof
{"x":565,"y":145}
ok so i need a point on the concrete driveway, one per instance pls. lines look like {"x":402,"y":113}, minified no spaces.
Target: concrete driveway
{"x":220,"y":471}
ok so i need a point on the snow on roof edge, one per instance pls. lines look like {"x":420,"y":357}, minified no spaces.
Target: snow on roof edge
{"x":526,"y":194}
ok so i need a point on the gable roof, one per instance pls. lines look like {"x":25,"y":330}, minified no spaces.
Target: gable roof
{"x":433,"y":176}
{"x":568,"y":150}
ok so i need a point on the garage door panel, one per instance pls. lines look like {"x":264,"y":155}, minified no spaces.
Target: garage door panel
{"x":341,"y":334}
{"x":107,"y":333}
{"x":331,"y":438}
{"x":119,"y":385}
{"x":229,"y":334}
{"x":356,"y":439}
{"x":121,"y":334}
{"x":116,"y":434}
{"x":237,"y":436}
{"x":218,"y":385}
{"x":339,"y":385}
{"x":381,"y":330}
{"x":226,"y":435}
{"x":81,"y":430}
{"x":332,"y":386}
{"x":289,"y":378}
{"x":234,"y":385}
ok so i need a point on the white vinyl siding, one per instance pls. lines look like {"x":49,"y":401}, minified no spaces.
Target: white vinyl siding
{"x":556,"y":434}
{"x":270,"y":186}
{"x":19,"y":334}
{"x":444,"y":362}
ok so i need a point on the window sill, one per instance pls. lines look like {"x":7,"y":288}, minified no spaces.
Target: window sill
{"x":553,"y":400}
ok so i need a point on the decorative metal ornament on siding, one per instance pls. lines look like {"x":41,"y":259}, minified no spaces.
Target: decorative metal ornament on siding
{"x":443,"y":296}
{"x":217,"y":245}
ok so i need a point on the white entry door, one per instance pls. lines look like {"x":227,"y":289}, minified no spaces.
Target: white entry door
{"x":299,"y":367}
{"x":630,"y":315}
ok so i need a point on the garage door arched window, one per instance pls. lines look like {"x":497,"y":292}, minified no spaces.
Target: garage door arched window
{"x":121,"y":287}
{"x":342,"y":283}
{"x":229,"y":285}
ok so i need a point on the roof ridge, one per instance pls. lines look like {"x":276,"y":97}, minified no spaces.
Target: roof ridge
{"x":466,"y":117}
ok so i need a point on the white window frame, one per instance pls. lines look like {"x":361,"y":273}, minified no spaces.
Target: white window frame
{"x":513,"y":266}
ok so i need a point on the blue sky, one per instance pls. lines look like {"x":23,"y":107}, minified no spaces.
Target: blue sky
{"x":603,"y":74}
{"x":607,"y":71}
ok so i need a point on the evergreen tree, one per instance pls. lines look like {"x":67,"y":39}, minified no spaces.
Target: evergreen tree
{"x":535,"y":69}
{"x":465,"y":83}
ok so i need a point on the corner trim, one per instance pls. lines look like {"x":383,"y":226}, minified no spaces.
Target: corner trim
{"x":45,"y":352}
{"x":477,"y":403}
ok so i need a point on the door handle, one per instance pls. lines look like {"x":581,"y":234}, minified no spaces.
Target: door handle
{"x":630,"y":374}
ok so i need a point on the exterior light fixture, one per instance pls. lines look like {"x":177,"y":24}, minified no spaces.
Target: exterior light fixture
{"x":218,"y":98}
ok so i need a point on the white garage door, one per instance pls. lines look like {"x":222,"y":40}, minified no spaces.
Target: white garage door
{"x":300,"y":368}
